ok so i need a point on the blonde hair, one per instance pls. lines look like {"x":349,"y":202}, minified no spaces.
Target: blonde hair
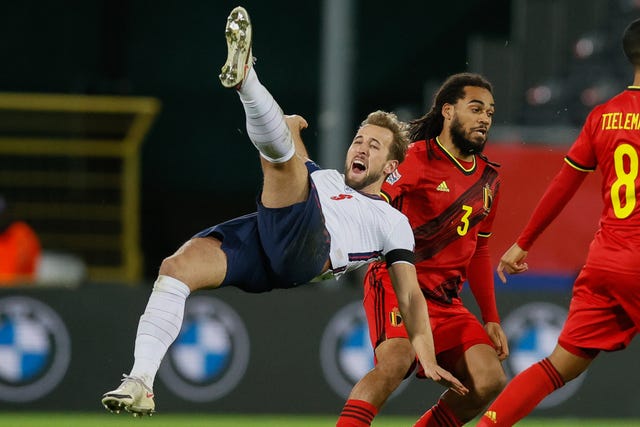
{"x":398,"y":128}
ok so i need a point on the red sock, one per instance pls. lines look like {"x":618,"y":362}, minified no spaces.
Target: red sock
{"x":440,"y":415}
{"x":522,"y":394}
{"x":357,"y":413}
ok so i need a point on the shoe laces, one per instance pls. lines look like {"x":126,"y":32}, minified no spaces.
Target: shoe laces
{"x":136,"y":380}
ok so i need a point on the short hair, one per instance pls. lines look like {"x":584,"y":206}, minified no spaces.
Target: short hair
{"x":631,"y":42}
{"x":398,"y":128}
{"x":430,"y":125}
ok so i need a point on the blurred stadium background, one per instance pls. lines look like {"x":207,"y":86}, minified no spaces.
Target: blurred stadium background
{"x":117,"y":143}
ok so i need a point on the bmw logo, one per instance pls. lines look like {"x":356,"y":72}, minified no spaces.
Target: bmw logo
{"x":345,"y":350}
{"x":35,"y":349}
{"x":533,"y":331}
{"x":211,"y":353}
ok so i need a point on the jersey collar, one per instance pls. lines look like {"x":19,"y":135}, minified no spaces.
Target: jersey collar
{"x":455,"y":160}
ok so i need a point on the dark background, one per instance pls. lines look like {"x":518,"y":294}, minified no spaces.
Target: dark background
{"x":198,"y":168}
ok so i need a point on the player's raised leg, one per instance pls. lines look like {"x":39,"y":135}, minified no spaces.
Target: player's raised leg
{"x":285,"y":176}
{"x":201,"y":262}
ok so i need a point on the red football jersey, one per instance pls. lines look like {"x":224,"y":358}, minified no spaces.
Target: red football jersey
{"x":448,"y":204}
{"x":610,"y":139}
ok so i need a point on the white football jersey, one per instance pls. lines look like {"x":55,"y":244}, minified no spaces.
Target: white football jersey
{"x":363,"y":227}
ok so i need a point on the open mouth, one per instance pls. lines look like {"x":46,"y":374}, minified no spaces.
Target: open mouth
{"x":358,"y":166}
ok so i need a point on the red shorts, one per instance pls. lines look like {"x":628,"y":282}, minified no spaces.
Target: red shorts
{"x":604,"y":314}
{"x":455,"y":329}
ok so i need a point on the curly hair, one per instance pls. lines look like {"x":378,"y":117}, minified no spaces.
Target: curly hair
{"x":430,"y":125}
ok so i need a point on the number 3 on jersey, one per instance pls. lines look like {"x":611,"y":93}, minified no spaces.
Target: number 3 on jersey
{"x":464,"y":227}
{"x":626,"y":180}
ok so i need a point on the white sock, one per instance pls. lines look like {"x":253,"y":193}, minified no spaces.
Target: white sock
{"x":265,"y":123}
{"x":158,"y":327}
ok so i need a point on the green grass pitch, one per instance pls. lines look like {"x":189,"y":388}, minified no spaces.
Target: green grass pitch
{"x":211,"y":420}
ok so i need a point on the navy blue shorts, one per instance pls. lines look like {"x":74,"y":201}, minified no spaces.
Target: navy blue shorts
{"x":274,"y":248}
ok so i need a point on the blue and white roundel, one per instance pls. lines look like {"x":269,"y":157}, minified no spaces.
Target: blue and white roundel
{"x":203,"y":350}
{"x":34,"y":349}
{"x":211,"y":353}
{"x":533,"y":330}
{"x":345,"y":351}
{"x":24,"y":349}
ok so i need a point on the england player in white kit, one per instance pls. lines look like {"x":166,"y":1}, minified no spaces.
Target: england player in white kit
{"x":310,"y":224}
{"x":363,"y":227}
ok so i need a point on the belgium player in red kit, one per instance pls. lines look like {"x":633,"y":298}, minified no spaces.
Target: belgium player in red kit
{"x":604,"y":314}
{"x":449,"y":192}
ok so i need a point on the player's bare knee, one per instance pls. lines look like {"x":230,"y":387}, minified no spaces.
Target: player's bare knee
{"x":490,"y":385}
{"x":181,"y":264}
{"x":172,"y":267}
{"x":497,"y":385}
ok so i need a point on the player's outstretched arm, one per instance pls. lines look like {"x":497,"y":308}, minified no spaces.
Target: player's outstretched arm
{"x":416,"y":319}
{"x":562,"y":188}
{"x":512,"y":262}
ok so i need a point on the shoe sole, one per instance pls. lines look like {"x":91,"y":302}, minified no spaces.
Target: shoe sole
{"x":115,"y":404}
{"x":238,"y":35}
